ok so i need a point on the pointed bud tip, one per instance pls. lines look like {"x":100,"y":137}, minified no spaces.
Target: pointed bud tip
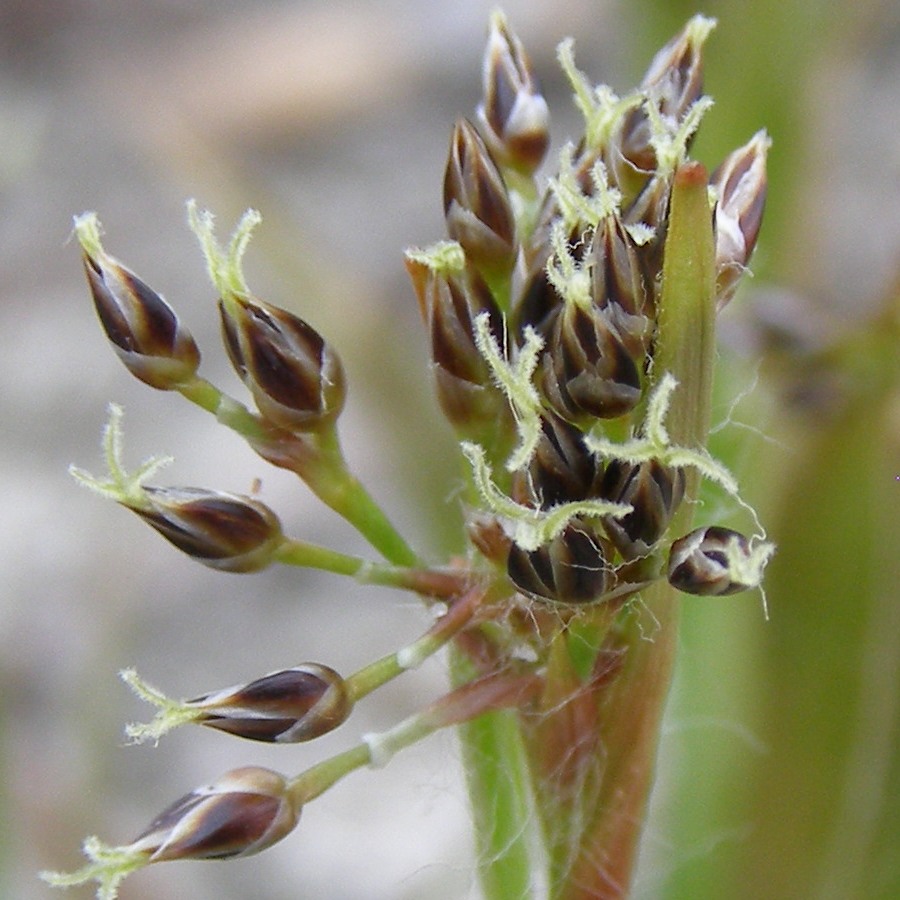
{"x":691,"y":174}
{"x":144,"y":330}
{"x":513,"y":110}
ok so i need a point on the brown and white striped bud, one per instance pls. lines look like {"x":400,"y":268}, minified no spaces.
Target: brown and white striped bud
{"x":513,"y":112}
{"x":561,"y":470}
{"x":284,"y":707}
{"x":570,"y":569}
{"x":716,"y":561}
{"x":228,"y":532}
{"x":451,"y":297}
{"x":295,"y":376}
{"x":618,"y":285}
{"x":740,"y":184}
{"x":654,"y":492}
{"x":143,"y":329}
{"x":586,"y":371}
{"x":477,"y":207}
{"x":243,"y":812}
{"x":672,"y":84}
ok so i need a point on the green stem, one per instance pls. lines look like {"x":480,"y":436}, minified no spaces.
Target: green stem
{"x":438,"y":583}
{"x":492,"y":692}
{"x":226,"y":409}
{"x":312,"y":556}
{"x":457,"y":617}
{"x":317,"y":779}
{"x":337,"y":487}
{"x":496,"y":770}
{"x":316,"y":458}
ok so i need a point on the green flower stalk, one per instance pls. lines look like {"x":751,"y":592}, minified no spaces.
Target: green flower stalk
{"x":571,"y":334}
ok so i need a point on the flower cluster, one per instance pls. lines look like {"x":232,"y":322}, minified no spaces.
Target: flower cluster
{"x":570,"y":324}
{"x":545,"y":328}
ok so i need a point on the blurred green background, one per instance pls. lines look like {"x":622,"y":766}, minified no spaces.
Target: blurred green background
{"x":780,"y":761}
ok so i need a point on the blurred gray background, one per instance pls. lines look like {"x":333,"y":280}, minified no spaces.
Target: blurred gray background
{"x":332,"y":118}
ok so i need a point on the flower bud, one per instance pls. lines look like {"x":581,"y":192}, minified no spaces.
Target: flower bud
{"x":228,"y":532}
{"x":618,"y":286}
{"x":716,"y":561}
{"x":514,"y":113}
{"x":296,"y":378}
{"x":570,"y":569}
{"x":650,"y":210}
{"x":672,"y":83}
{"x":477,"y":208}
{"x":587,"y":372}
{"x":451,"y":299}
{"x":654,"y":492}
{"x":243,"y":812}
{"x":561,"y":470}
{"x":289,"y":706}
{"x":740,"y":184}
{"x":143,"y":329}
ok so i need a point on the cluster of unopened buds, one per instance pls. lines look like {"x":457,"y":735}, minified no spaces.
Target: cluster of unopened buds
{"x":545,"y":316}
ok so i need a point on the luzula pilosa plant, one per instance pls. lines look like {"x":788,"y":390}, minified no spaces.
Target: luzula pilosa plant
{"x":571,"y":326}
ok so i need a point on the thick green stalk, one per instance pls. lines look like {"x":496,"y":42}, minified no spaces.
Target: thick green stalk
{"x":686,"y":340}
{"x":632,"y":711}
{"x":334,"y":484}
{"x":499,"y":790}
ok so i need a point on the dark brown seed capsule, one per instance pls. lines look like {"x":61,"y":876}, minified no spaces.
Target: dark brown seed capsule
{"x":228,"y":532}
{"x":488,"y":537}
{"x":143,"y":329}
{"x":289,"y":706}
{"x":454,"y":302}
{"x":570,"y":569}
{"x":451,"y":301}
{"x":295,"y":376}
{"x":561,"y":469}
{"x":241,"y":813}
{"x":654,"y":492}
{"x":703,"y":562}
{"x":477,"y":207}
{"x":587,"y":372}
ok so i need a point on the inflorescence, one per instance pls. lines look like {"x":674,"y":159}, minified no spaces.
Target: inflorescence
{"x":545,"y":312}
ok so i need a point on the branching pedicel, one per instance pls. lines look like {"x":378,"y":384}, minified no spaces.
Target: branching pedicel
{"x":571,"y":334}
